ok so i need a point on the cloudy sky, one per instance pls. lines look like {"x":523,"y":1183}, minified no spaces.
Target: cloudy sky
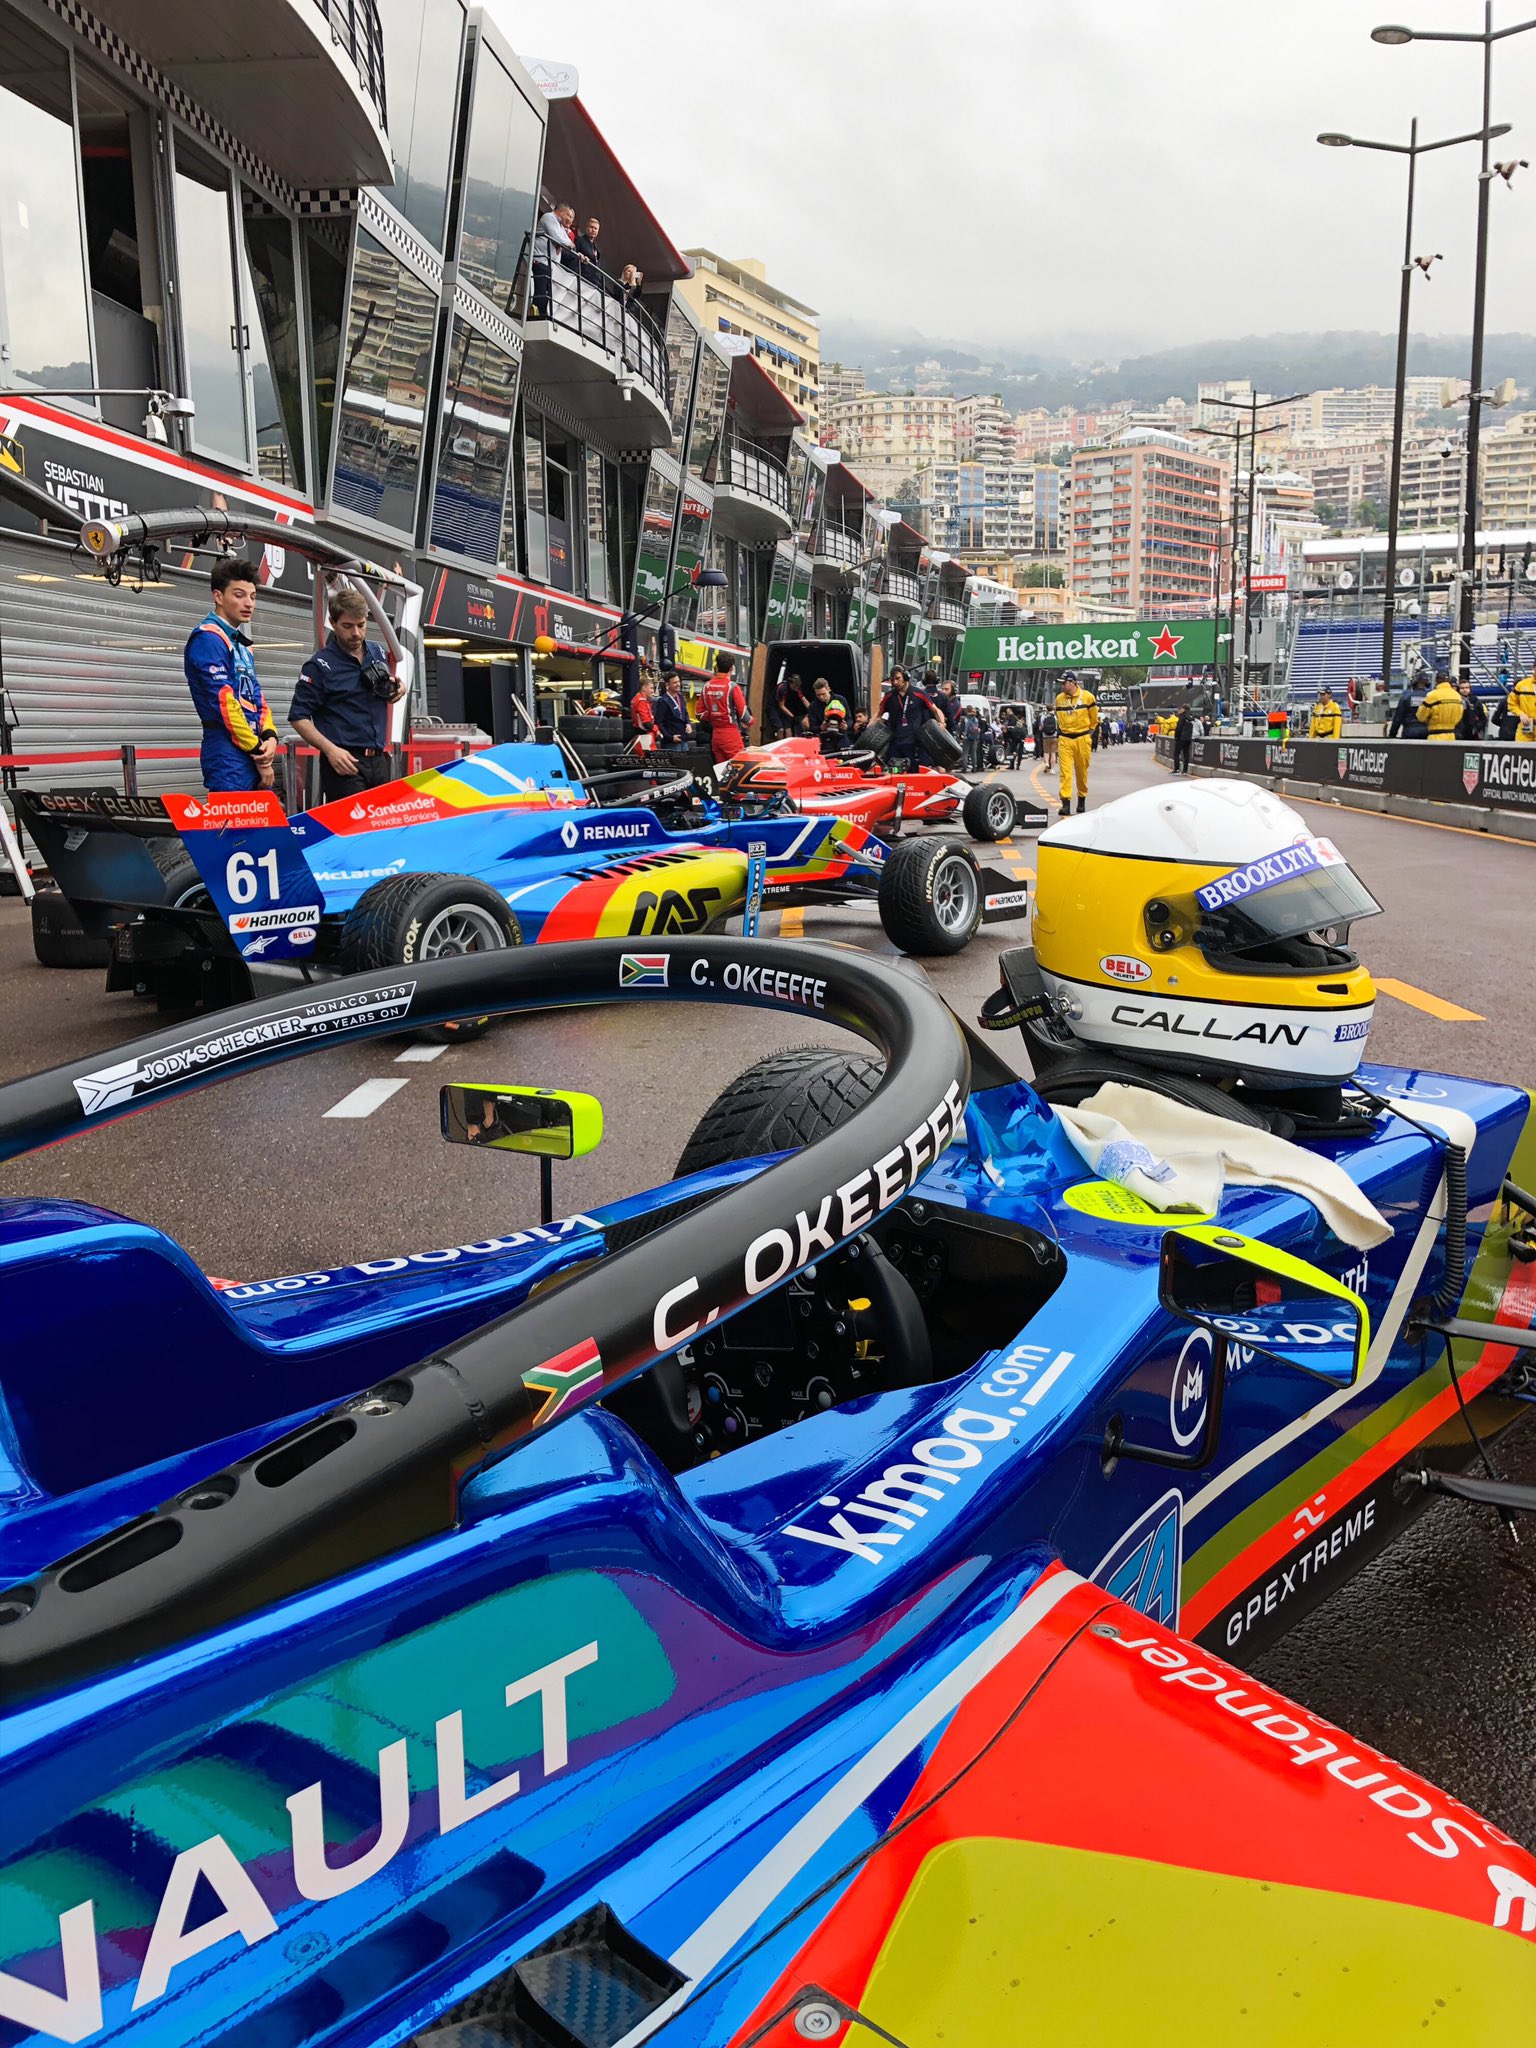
{"x":1091,"y":173}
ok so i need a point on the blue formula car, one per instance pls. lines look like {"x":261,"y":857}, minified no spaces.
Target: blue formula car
{"x":506,"y":847}
{"x":790,"y":1605}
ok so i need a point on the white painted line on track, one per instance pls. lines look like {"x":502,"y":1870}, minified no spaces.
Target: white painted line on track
{"x":420,"y":1052}
{"x":364,"y":1100}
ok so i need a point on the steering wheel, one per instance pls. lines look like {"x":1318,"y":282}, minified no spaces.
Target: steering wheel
{"x":385,"y":1467}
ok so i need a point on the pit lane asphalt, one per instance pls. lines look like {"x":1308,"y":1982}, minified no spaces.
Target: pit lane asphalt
{"x":1430,"y":1652}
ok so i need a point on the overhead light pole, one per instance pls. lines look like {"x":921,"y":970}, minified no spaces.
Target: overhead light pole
{"x":1252,"y":407}
{"x":1393,"y":34}
{"x":1413,"y":149}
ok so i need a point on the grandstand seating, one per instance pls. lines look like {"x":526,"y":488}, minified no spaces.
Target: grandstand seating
{"x":1332,"y":650}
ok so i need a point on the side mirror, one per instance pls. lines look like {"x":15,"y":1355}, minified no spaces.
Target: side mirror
{"x":549,"y":1123}
{"x":1264,"y":1301}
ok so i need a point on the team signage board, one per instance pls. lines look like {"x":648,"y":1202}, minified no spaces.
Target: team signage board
{"x":1266,"y":583}
{"x":1490,"y":774}
{"x":1125,"y":643}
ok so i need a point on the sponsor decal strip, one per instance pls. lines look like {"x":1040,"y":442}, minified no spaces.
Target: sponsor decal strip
{"x":1334,"y":1478}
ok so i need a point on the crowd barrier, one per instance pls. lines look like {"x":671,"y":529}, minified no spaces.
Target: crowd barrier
{"x":1490,"y":776}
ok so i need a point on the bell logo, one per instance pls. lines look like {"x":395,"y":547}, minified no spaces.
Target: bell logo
{"x":569,"y":835}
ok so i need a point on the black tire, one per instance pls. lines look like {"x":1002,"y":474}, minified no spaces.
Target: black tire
{"x":877,"y":737}
{"x":57,"y":939}
{"x":780,"y":1103}
{"x":185,"y":888}
{"x":930,"y":897}
{"x":935,"y":744}
{"x":398,"y":923}
{"x":989,"y":812}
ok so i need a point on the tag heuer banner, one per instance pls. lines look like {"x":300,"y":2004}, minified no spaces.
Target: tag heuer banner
{"x":1140,"y":643}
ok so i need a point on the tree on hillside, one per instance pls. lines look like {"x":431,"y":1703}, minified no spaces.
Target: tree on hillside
{"x":1043,"y":576}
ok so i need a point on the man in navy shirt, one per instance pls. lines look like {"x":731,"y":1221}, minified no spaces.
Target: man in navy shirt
{"x":342,"y":703}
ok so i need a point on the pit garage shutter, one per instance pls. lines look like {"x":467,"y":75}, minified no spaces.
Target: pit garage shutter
{"x":87,"y":666}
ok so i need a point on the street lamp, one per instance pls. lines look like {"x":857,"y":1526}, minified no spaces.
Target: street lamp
{"x":1394,"y":35}
{"x":1413,"y":149}
{"x":1253,"y":407}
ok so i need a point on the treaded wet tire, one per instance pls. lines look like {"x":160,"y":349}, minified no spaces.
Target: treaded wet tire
{"x":57,"y":939}
{"x":989,"y":812}
{"x":780,"y":1103}
{"x":877,"y":737}
{"x":918,"y":876}
{"x":937,"y":745}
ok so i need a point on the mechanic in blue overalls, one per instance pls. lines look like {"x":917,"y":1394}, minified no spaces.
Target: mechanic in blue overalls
{"x":342,"y":703}
{"x":239,"y":736}
{"x":905,"y":711}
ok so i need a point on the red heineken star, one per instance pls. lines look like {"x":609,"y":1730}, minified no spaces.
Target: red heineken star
{"x":1165,"y":642}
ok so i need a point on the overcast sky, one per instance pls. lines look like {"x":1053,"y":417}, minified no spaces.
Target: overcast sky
{"x":1115,"y":173}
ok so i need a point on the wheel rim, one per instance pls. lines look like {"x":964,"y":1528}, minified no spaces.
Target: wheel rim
{"x":461,"y":928}
{"x":999,"y":809}
{"x":954,"y":895}
{"x":195,"y":898}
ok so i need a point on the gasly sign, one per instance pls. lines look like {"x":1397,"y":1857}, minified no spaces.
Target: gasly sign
{"x":1124,"y":643}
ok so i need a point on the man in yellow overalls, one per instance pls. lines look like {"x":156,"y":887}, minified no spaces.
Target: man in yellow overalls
{"x":1522,"y":704}
{"x":1441,"y":710}
{"x":1327,"y":718}
{"x":1077,"y":714}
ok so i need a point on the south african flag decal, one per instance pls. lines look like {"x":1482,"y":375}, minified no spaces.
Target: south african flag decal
{"x":563,"y":1379}
{"x":643,"y":970}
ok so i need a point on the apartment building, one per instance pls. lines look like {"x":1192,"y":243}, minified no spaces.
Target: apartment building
{"x":1344,"y":472}
{"x":1507,"y":492}
{"x":889,"y":436}
{"x":734,"y":297}
{"x":1147,"y":523}
{"x":993,"y":510}
{"x":840,"y":382}
{"x":983,"y":429}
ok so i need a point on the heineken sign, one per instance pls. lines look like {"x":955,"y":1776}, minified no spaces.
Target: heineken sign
{"x":1142,"y":643}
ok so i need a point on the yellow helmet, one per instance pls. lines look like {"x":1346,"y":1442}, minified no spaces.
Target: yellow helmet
{"x":1205,"y":928}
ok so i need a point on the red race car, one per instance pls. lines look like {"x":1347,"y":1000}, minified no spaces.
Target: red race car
{"x":853,"y":785}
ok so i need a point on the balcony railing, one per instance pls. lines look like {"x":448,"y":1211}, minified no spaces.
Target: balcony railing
{"x":355,"y":26}
{"x":838,"y":544}
{"x":900,"y":584}
{"x":948,"y":611}
{"x":596,"y":309}
{"x":746,"y":467}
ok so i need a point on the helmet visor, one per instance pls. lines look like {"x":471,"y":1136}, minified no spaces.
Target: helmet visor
{"x":1306,"y":890}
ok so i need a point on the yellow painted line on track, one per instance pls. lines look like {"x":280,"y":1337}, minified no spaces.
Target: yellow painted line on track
{"x":1421,"y":999}
{"x":792,"y":922}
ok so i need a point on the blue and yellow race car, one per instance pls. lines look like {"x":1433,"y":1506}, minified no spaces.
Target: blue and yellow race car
{"x":505,"y":847}
{"x":801,"y":1603}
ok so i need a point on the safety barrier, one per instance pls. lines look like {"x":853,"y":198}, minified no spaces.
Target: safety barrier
{"x":1492,"y":776}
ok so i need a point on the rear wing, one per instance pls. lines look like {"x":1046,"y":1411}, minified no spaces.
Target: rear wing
{"x":96,"y":845}
{"x":261,"y":885}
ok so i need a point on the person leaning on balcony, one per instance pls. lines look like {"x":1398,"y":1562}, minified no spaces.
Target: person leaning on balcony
{"x":1327,"y":717}
{"x":1077,"y":713}
{"x":1441,"y":710}
{"x":1521,"y":704}
{"x":586,"y":248}
{"x":554,"y":242}
{"x":630,"y":283}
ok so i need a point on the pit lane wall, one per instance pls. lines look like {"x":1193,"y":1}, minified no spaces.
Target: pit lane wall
{"x":1490,"y":786}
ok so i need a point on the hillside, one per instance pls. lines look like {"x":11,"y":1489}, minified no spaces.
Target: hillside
{"x":1274,"y":362}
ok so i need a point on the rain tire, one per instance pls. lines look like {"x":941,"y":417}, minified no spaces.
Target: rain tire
{"x":989,"y":812}
{"x":909,"y":886}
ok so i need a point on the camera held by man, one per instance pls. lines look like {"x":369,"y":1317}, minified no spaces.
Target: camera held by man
{"x":341,"y":706}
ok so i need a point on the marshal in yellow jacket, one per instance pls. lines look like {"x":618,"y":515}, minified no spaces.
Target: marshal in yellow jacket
{"x":1522,"y":702}
{"x":1441,"y":711}
{"x":1327,"y":719}
{"x":1076,"y":716}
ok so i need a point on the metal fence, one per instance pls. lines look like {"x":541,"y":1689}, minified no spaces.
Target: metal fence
{"x":355,"y":26}
{"x":586,"y":303}
{"x":752,"y":469}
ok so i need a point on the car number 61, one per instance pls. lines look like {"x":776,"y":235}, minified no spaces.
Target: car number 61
{"x":240,"y":879}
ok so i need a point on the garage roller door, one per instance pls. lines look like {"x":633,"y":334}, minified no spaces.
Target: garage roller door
{"x":89,"y":666}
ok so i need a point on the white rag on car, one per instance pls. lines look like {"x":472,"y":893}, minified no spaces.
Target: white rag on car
{"x":1175,"y":1157}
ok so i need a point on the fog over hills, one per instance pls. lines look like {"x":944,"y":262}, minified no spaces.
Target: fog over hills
{"x":1068,"y":371}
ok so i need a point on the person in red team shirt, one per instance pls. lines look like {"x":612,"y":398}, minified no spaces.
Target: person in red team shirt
{"x":723,"y":709}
